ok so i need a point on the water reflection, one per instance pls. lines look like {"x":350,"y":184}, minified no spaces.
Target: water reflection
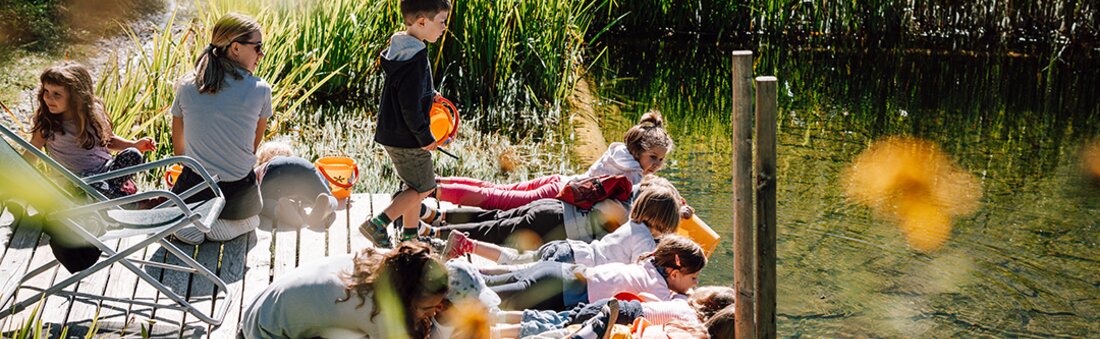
{"x":1023,"y":264}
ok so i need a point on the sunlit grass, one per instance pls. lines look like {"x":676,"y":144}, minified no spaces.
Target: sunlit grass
{"x":341,"y":131}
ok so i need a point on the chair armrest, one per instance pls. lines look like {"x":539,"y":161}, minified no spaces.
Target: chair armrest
{"x":191,"y":163}
{"x":105,"y":205}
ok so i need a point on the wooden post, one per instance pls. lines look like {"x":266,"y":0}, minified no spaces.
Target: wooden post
{"x":743,"y":250}
{"x":765,"y":205}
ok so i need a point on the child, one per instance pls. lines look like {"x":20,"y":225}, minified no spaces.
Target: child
{"x":656,"y":212}
{"x":352,"y":296}
{"x":596,"y":317}
{"x":71,"y":124}
{"x":403,"y":125}
{"x":288,"y":184}
{"x":721,"y":324}
{"x":668,"y":272}
{"x":642,"y":152}
{"x":549,"y":219}
{"x":219,"y":116}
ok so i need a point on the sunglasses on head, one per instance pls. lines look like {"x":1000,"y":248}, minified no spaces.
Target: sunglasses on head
{"x":259,"y":45}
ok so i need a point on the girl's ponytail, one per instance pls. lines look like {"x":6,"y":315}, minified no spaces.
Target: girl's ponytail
{"x":647,"y":134}
{"x":213,"y":65}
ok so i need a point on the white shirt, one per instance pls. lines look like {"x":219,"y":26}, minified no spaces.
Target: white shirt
{"x":624,"y":245}
{"x":606,"y":280}
{"x":617,"y":161}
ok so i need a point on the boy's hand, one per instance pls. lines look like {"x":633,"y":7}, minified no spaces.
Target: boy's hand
{"x":145,"y":144}
{"x":686,"y":212}
{"x":431,"y":147}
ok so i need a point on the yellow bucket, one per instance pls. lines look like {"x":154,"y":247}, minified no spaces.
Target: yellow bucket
{"x":695,"y":229}
{"x":172,"y":174}
{"x":341,"y":173}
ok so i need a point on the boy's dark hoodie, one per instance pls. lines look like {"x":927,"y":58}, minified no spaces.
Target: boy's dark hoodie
{"x":406,"y":95}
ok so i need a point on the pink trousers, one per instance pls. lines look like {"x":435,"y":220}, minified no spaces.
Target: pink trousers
{"x":487,"y":195}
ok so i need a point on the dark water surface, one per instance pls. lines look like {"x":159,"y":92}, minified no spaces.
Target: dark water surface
{"x":1026,"y":263}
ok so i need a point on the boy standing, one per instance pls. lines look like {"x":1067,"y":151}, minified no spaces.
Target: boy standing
{"x":403,"y":124}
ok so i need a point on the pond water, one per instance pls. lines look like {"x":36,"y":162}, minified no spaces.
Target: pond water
{"x":1025,"y":263}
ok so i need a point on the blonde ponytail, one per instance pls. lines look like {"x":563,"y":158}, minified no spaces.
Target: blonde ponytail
{"x":213,"y":65}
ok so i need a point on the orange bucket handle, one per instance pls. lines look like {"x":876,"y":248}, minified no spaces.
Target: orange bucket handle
{"x":351,"y":181}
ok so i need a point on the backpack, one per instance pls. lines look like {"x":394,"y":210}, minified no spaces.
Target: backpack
{"x":585,"y":193}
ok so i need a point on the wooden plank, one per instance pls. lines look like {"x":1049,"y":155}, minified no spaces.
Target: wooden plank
{"x":84,"y":310}
{"x":159,"y":323}
{"x":285,"y":249}
{"x":202,"y":291}
{"x":338,"y":242}
{"x":766,"y":103}
{"x":258,"y":264}
{"x":311,"y":244}
{"x":232,"y":270}
{"x":54,"y":308}
{"x":744,"y":271}
{"x":16,"y":262}
{"x":178,"y":282}
{"x":122,"y":284}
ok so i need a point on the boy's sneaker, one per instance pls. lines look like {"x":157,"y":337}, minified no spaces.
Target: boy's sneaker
{"x":379,"y":235}
{"x":458,"y":244}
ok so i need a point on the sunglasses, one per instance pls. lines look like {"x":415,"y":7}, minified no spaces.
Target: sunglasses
{"x":259,"y":45}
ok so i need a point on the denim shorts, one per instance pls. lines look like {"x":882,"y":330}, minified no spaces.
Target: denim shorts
{"x":414,"y":167}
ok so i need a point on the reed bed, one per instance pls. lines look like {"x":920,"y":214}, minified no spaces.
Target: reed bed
{"x":936,"y":23}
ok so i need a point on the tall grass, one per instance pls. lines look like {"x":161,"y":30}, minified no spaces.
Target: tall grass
{"x":506,"y":63}
{"x":988,"y":23}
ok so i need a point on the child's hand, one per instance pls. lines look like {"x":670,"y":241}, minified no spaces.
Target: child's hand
{"x":686,"y":212}
{"x":145,"y":144}
{"x":431,"y":147}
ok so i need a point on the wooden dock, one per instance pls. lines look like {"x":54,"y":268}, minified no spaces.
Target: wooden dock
{"x":247,"y":264}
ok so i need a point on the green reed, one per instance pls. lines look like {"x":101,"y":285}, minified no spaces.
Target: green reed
{"x":937,"y":22}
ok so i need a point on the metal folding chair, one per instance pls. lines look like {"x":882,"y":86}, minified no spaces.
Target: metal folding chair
{"x":96,"y":219}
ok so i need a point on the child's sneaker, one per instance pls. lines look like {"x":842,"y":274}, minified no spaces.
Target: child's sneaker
{"x":380,"y":235}
{"x":458,"y":244}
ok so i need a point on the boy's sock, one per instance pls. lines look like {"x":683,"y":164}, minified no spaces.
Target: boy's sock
{"x":409,"y":233}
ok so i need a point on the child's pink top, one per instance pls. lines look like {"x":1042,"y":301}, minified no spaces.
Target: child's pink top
{"x":663,"y":312}
{"x":605,"y":281}
{"x":65,"y":148}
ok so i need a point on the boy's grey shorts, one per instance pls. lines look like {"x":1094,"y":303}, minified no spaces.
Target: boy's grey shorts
{"x":414,"y":167}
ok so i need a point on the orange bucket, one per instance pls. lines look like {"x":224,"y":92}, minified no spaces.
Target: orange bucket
{"x":698,"y":231}
{"x":341,"y":173}
{"x":443,"y":120}
{"x":172,"y":174}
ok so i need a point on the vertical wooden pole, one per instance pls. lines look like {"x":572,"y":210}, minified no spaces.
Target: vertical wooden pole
{"x":743,"y":251}
{"x":765,"y":205}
